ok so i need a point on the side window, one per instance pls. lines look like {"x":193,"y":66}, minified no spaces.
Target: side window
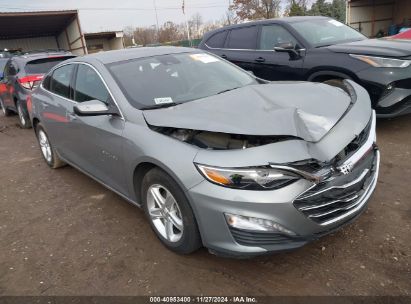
{"x":46,"y":82}
{"x":273,"y":35}
{"x":60,"y":80}
{"x":89,"y":85}
{"x":217,"y":40}
{"x":243,"y":38}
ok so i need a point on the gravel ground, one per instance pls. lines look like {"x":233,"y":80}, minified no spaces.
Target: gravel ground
{"x":61,"y":233}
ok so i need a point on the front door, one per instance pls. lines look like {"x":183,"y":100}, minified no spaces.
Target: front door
{"x":96,"y":141}
{"x":272,"y":65}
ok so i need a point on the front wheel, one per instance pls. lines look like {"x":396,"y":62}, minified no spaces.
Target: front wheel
{"x":169,"y":212}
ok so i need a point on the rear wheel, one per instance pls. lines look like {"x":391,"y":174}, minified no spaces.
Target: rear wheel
{"x":23,"y":116}
{"x":4,"y":111}
{"x":49,"y":153}
{"x":169,"y":212}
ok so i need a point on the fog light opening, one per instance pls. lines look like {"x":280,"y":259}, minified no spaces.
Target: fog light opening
{"x":255,"y":224}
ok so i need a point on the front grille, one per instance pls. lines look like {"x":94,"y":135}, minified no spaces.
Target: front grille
{"x":256,"y":238}
{"x":340,"y":194}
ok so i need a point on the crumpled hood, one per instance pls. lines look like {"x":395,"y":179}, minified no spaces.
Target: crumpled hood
{"x":301,"y":109}
{"x":376,"y":47}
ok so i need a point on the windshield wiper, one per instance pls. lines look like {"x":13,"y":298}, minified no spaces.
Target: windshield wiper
{"x":223,"y":91}
{"x":160,"y":106}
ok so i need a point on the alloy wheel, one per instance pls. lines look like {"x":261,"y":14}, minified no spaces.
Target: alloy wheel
{"x":45,"y":146}
{"x":165,"y":213}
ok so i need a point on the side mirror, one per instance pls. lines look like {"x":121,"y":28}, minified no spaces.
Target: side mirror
{"x":94,"y":108}
{"x":287,"y":47}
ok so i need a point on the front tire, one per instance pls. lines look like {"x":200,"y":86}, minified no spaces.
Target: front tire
{"x":24,"y":119}
{"x":169,"y":212}
{"x":49,"y":153}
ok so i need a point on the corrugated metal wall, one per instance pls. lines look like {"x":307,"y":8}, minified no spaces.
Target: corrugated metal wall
{"x":371,"y":16}
{"x":72,"y":39}
{"x":28,"y":44}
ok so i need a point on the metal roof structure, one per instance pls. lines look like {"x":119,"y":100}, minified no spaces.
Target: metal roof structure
{"x":104,"y":35}
{"x":15,"y":25}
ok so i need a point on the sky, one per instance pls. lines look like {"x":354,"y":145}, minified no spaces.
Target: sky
{"x":101,"y":15}
{"x":108,"y":15}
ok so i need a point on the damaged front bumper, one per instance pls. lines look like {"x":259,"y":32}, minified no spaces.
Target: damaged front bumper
{"x":307,"y":210}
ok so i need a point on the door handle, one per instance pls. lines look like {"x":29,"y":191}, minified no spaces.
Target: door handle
{"x":259,"y":59}
{"x":224,"y":56}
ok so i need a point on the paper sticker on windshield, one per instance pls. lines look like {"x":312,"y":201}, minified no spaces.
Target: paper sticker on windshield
{"x":335,"y":22}
{"x":204,"y":58}
{"x":162,"y":100}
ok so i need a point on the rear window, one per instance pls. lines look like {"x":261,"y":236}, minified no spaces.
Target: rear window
{"x":42,"y":66}
{"x":217,"y":40}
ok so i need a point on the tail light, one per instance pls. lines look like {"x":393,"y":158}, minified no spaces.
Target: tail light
{"x":29,"y":104}
{"x":30,"y":82}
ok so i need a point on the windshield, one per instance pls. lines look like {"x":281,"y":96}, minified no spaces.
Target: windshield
{"x":322,"y":32}
{"x":42,"y":66}
{"x":176,"y":78}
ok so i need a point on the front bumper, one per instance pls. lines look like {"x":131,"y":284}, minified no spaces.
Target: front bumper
{"x":285,"y":207}
{"x":389,"y":89}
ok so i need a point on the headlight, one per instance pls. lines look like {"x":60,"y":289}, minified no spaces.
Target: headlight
{"x":380,"y":62}
{"x":248,"y":178}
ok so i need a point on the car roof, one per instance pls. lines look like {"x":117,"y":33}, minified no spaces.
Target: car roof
{"x":40,"y":55}
{"x":283,"y":20}
{"x":134,"y":53}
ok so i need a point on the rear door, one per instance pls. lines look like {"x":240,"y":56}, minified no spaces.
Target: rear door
{"x":215,"y":43}
{"x":53,"y":106}
{"x":240,"y":46}
{"x":96,"y":141}
{"x":273,"y":65}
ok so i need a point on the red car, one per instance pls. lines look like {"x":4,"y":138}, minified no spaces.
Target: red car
{"x":404,"y":35}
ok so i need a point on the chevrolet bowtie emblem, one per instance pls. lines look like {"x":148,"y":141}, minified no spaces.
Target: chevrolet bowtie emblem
{"x":346,"y":168}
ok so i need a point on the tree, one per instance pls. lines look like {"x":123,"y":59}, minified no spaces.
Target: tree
{"x":335,"y":9}
{"x":169,"y":32}
{"x":338,"y":10}
{"x":255,"y":9}
{"x":320,"y":8}
{"x":194,"y":24}
{"x":297,"y":8}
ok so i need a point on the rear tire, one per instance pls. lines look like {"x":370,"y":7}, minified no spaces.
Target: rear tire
{"x":24,"y":118}
{"x":49,"y":153}
{"x":4,"y":111}
{"x":172,"y":220}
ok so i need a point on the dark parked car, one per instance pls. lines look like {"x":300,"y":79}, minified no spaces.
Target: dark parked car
{"x":320,"y":49}
{"x":21,"y":75}
{"x":172,"y":130}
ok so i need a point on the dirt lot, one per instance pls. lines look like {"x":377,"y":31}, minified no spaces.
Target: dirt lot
{"x":61,"y":233}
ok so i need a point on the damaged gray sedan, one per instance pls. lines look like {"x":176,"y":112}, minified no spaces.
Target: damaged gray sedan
{"x":214,"y":156}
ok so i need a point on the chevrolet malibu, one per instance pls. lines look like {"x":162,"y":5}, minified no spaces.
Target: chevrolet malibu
{"x":215,"y":156}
